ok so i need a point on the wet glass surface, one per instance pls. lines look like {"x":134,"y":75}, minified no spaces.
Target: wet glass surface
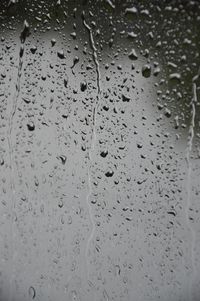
{"x":100,"y":150}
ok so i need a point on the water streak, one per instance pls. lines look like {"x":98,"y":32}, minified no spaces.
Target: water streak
{"x":189,"y":175}
{"x":23,"y":37}
{"x":93,"y":139}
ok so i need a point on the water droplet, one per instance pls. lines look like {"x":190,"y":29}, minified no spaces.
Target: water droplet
{"x":31,"y":126}
{"x":133,"y":55}
{"x":32,"y":292}
{"x":83,"y":86}
{"x":60,"y":54}
{"x":146,"y":70}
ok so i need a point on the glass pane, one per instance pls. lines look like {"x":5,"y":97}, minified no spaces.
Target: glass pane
{"x":100,"y":150}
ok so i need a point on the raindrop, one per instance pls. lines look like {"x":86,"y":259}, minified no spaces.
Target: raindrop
{"x":83,"y":86}
{"x":53,"y":42}
{"x":146,"y":70}
{"x":33,"y":49}
{"x":175,"y":77}
{"x":25,"y":32}
{"x":104,"y":153}
{"x":133,"y":10}
{"x":32,"y":292}
{"x":109,"y":173}
{"x":31,"y":126}
{"x":133,"y":55}
{"x":60,"y":54}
